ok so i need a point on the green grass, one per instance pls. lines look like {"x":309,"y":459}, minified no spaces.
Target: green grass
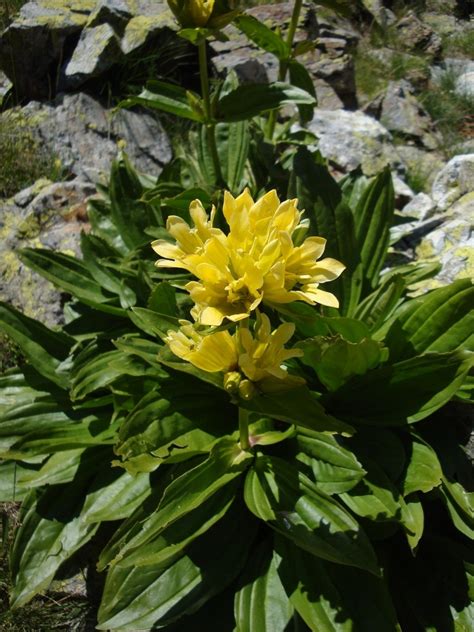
{"x":452,"y":113}
{"x":459,"y":44}
{"x":22,"y":159}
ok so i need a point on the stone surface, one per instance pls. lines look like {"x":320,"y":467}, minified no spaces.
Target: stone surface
{"x":381,"y":14}
{"x":96,"y":52}
{"x":5,"y":85}
{"x":86,"y":137}
{"x":49,"y":215}
{"x":31,"y":47}
{"x":415,"y":36}
{"x":402,"y":114}
{"x":421,"y":207}
{"x":421,"y":163}
{"x":454,"y":181}
{"x":353,"y":139}
{"x":465,"y":84}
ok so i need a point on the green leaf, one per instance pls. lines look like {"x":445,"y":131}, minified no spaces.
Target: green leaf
{"x":301,"y":78}
{"x":261,"y":604}
{"x":405,"y":392}
{"x":153,"y":323}
{"x":71,"y":275}
{"x":166,"y":97}
{"x":12,"y":488}
{"x":296,"y":406}
{"x":164,"y":425}
{"x":423,"y":472}
{"x":330,"y":217}
{"x":51,"y":531}
{"x":414,"y":521}
{"x":440,"y":321}
{"x":294,"y":506}
{"x":335,"y":469}
{"x":44,"y":348}
{"x":155,"y":596}
{"x":233,"y":143}
{"x":99,"y":214}
{"x":335,"y":360}
{"x":311,"y":590}
{"x":263,"y":36}
{"x":373,"y":218}
{"x":378,"y":306}
{"x":163,"y":299}
{"x":250,"y":100}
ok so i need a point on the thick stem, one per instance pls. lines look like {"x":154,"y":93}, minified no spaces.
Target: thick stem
{"x":244,"y":429}
{"x":206,"y":97}
{"x":283,"y":67}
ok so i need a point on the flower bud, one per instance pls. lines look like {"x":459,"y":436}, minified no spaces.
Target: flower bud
{"x":232,"y":381}
{"x":203,"y":13}
{"x":247,"y":390}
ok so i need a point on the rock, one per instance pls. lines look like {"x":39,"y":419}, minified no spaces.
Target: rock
{"x":329,"y":64}
{"x":403,"y":193}
{"x":46,"y":215}
{"x":5,"y":85}
{"x":415,"y":36}
{"x":452,"y":243}
{"x":421,"y":207}
{"x":422,"y":164}
{"x":353,"y":139}
{"x":402,"y":114}
{"x":86,"y":137}
{"x":96,"y":52}
{"x":451,"y":66}
{"x":465,"y":84}
{"x":381,"y":14}
{"x":454,"y":181}
{"x":33,"y":45}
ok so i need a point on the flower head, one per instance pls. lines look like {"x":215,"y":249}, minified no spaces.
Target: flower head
{"x":258,"y":260}
{"x":249,"y":361}
{"x":203,"y":13}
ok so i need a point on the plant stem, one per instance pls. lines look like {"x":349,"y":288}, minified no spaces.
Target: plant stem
{"x":283,"y":67}
{"x":244,"y":429}
{"x":209,"y":124}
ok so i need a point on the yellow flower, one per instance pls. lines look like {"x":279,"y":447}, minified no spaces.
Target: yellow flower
{"x":258,"y":260}
{"x":245,"y":358}
{"x":203,"y":13}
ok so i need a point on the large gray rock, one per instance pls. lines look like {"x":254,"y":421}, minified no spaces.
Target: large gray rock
{"x":415,"y":36}
{"x":465,"y":84}
{"x":97,"y":51}
{"x":353,"y":139}
{"x":31,"y":47}
{"x":45,"y":215}
{"x":401,"y":113}
{"x":86,"y":137}
{"x":329,"y":64}
{"x":454,"y":181}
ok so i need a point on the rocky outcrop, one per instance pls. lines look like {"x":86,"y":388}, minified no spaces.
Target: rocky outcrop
{"x":49,"y":215}
{"x":86,"y":136}
{"x":415,"y":36}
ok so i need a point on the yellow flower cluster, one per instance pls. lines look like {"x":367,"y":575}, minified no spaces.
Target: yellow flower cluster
{"x":244,"y":358}
{"x":203,"y":13}
{"x":256,"y":261}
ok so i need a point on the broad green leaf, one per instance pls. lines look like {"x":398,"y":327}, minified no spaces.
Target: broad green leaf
{"x":331,"y":218}
{"x":250,"y":100}
{"x":155,"y":596}
{"x":166,"y":97}
{"x":301,"y":78}
{"x":263,"y":36}
{"x":405,"y":392}
{"x":296,"y":406}
{"x":311,"y":590}
{"x":144,"y":547}
{"x":261,"y":604}
{"x":166,"y":425}
{"x":115,"y":495}
{"x":71,"y":275}
{"x":415,"y":521}
{"x":440,"y":321}
{"x":373,"y":218}
{"x":153,"y":323}
{"x":460,"y":505}
{"x":163,"y":299}
{"x":335,"y":469}
{"x":233,"y":141}
{"x":335,"y":360}
{"x":378,"y":306}
{"x":100,"y":217}
{"x":423,"y":472}
{"x":51,"y":531}
{"x":294,"y":506}
{"x":44,"y":348}
{"x":12,"y":488}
